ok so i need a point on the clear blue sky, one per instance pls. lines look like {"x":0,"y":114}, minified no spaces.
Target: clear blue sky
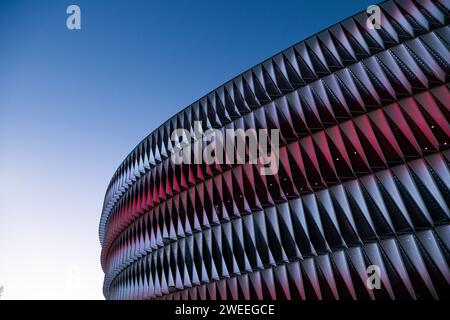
{"x":74,"y":103}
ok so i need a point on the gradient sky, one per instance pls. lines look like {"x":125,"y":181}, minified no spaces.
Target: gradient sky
{"x":74,"y":103}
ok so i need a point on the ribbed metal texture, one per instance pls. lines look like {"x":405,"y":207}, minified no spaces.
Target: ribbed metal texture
{"x":364,"y":176}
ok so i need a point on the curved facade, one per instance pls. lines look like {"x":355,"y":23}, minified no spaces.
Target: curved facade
{"x":363,"y":177}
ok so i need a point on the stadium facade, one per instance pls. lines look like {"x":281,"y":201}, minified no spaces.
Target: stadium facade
{"x":363,"y":176}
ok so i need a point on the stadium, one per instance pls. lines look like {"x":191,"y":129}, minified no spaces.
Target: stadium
{"x":363,"y":178}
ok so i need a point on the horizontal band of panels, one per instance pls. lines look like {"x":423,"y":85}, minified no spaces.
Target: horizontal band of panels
{"x":395,"y":201}
{"x":406,"y":263}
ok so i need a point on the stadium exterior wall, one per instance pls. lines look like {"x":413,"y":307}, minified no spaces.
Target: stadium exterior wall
{"x":363,"y":178}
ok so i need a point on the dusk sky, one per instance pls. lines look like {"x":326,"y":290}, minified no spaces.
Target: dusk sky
{"x":73,"y":104}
